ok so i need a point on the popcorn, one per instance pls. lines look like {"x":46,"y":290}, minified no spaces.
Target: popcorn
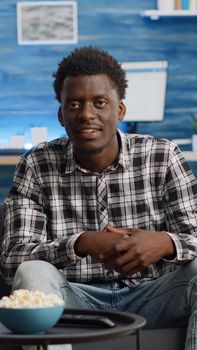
{"x":23,"y":298}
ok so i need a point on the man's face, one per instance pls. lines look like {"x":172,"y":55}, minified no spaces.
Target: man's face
{"x":89,"y":112}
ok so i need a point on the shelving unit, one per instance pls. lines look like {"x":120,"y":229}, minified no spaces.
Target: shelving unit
{"x":9,"y":160}
{"x":10,"y":156}
{"x":13,"y":160}
{"x":156,"y":14}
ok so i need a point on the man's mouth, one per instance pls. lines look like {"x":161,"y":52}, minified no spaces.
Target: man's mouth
{"x":89,"y":132}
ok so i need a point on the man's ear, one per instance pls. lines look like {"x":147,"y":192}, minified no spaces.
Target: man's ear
{"x":60,"y":117}
{"x":122,"y":110}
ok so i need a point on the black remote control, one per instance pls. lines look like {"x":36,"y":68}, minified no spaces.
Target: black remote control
{"x":86,"y":320}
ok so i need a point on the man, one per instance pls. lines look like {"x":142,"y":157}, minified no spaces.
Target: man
{"x":104,"y":219}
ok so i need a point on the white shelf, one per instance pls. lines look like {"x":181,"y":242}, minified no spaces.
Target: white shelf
{"x":182,"y":141}
{"x":156,"y":14}
{"x":13,"y":160}
{"x":190,"y":155}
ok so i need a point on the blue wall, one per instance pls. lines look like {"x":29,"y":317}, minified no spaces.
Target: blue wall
{"x":26,"y":94}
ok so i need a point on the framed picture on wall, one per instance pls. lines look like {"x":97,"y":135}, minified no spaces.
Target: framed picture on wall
{"x":47,"y":22}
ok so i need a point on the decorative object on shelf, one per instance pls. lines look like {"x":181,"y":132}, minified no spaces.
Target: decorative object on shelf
{"x":38,"y":134}
{"x":194,"y":136}
{"x":17,"y":141}
{"x":166,"y":5}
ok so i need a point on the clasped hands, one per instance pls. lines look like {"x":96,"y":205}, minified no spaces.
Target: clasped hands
{"x":125,"y":250}
{"x":133,"y":252}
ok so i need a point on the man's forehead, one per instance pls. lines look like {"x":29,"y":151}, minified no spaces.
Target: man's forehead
{"x":99,"y":83}
{"x":102,"y":77}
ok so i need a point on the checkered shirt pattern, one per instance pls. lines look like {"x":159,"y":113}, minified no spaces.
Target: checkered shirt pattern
{"x":53,"y":200}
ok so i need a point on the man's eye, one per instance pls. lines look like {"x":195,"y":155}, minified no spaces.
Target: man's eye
{"x":101,"y":103}
{"x":72,"y":106}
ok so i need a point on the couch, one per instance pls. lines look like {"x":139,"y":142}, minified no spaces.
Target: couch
{"x":157,"y":339}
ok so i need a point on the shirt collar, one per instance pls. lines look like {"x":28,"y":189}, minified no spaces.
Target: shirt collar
{"x":123,"y":158}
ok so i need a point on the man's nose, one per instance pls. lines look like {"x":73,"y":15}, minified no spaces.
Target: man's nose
{"x":87,"y":111}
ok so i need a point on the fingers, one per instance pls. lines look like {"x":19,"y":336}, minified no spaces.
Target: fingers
{"x":116,"y":249}
{"x":125,"y":230}
{"x":128,"y":269}
{"x":124,"y":258}
{"x":116,"y":230}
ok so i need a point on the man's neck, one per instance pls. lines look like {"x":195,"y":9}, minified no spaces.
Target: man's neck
{"x":96,"y":163}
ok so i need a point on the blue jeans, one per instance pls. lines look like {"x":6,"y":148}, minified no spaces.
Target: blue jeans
{"x":168,"y":301}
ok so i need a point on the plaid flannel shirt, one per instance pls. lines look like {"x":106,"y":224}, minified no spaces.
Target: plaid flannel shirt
{"x":53,"y":200}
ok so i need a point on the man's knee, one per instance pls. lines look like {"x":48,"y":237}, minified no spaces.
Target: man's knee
{"x":31,"y":274}
{"x":29,"y":268}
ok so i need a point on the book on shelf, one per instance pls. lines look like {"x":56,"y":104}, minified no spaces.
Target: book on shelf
{"x":186,"y":5}
{"x":177,"y":4}
{"x":193,"y":5}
